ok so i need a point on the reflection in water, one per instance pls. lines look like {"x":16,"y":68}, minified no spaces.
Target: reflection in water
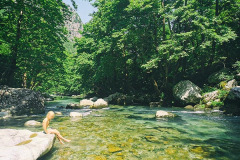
{"x":133,"y":133}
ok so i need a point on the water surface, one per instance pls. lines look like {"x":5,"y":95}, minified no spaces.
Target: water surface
{"x":132,"y":133}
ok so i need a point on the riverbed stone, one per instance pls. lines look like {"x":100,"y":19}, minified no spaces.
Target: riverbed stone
{"x":21,"y":101}
{"x":86,"y":102}
{"x":58,"y":113}
{"x":24,"y":144}
{"x":187,"y":92}
{"x":232,"y":102}
{"x":100,"y":103}
{"x":75,"y":114}
{"x":32,"y":123}
{"x":164,"y":114}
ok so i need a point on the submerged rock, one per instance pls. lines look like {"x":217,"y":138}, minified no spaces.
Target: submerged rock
{"x":75,"y":114}
{"x":187,"y":92}
{"x":100,"y":103}
{"x":74,"y":106}
{"x":58,"y":113}
{"x":164,"y":114}
{"x":232,"y":102}
{"x":86,"y":102}
{"x":24,"y":144}
{"x":20,"y":101}
{"x":32,"y":123}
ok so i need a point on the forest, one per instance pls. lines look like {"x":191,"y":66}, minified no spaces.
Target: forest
{"x":135,"y":47}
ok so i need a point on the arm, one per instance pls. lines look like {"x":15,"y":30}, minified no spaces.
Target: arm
{"x":45,"y":126}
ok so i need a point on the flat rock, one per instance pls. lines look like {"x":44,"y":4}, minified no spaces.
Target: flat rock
{"x":75,"y":114}
{"x":24,"y":144}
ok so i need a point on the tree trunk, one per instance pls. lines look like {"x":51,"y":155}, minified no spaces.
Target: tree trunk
{"x":164,"y":30}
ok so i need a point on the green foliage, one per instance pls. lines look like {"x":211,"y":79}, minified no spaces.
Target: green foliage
{"x":217,"y":104}
{"x":223,"y":94}
{"x":236,"y":65}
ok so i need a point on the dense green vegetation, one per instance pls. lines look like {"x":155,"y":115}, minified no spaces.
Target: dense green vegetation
{"x":135,"y":47}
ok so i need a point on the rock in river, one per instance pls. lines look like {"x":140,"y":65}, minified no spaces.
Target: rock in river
{"x":24,"y":144}
{"x":164,"y":114}
{"x":73,"y":106}
{"x":187,"y":92}
{"x":100,"y":103}
{"x":32,"y":123}
{"x":21,"y":101}
{"x":86,"y":102}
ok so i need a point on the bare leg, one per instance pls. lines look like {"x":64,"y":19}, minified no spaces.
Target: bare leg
{"x":60,"y":137}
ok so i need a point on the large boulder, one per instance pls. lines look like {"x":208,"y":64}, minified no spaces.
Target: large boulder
{"x":20,"y":101}
{"x":24,"y":144}
{"x":86,"y":102}
{"x":100,"y":103}
{"x":232,"y":102}
{"x":187,"y":92}
{"x":32,"y":123}
{"x":119,"y":98}
{"x":211,"y":96}
{"x":222,"y":75}
{"x":164,"y":114}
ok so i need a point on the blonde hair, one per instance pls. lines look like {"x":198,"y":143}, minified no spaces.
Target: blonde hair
{"x":50,"y":113}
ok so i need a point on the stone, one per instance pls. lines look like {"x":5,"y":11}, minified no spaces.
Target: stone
{"x":32,"y":123}
{"x":190,"y":107}
{"x":222,"y":75}
{"x":211,"y":96}
{"x":75,"y":114}
{"x":164,"y":114}
{"x":187,"y":92}
{"x":74,"y":106}
{"x":86,"y":102}
{"x":119,"y":99}
{"x":100,"y":103}
{"x":232,"y":102}
{"x":24,"y":144}
{"x":58,"y":113}
{"x":231,"y":84}
{"x":21,"y":101}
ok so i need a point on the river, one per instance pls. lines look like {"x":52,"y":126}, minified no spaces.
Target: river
{"x":133,"y":133}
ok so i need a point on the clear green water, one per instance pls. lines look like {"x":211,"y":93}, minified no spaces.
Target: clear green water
{"x":132,"y":133}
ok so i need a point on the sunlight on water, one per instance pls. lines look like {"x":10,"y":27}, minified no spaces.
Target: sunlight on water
{"x":133,"y":133}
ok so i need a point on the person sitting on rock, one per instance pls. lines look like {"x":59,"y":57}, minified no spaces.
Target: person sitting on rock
{"x":48,"y":130}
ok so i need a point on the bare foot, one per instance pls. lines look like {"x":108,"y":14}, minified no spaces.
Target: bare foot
{"x":67,"y":140}
{"x":61,"y":142}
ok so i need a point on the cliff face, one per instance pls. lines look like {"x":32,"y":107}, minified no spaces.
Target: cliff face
{"x":74,"y":25}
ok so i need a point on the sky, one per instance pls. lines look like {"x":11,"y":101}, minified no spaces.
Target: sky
{"x":84,"y":9}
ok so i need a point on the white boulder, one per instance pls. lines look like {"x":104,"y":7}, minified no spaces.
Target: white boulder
{"x":86,"y":102}
{"x":24,"y":144}
{"x":32,"y":123}
{"x":100,"y":103}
